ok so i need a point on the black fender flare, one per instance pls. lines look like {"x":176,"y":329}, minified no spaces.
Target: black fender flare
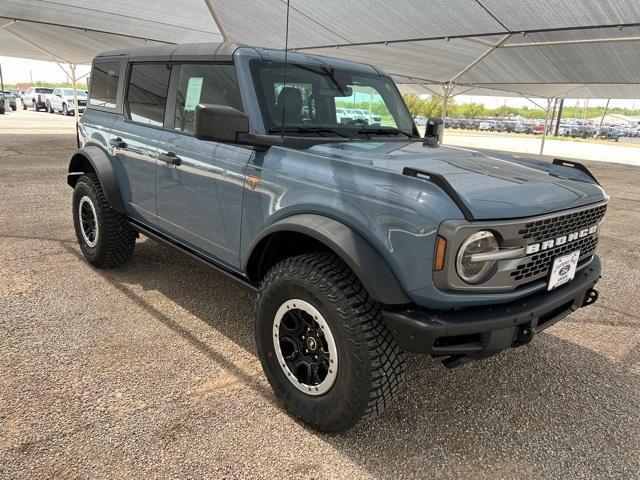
{"x":104,"y":169}
{"x":363,"y":259}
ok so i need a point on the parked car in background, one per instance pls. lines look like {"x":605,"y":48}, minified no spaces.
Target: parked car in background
{"x":607,"y":133}
{"x":37,"y":97}
{"x":420,"y":121}
{"x":580,"y":131}
{"x":506,"y":126}
{"x":487,"y":126}
{"x":11,"y":98}
{"x":62,"y":101}
{"x":523,"y":127}
{"x":537,"y":128}
{"x":343,"y":115}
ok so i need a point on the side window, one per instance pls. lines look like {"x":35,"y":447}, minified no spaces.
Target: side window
{"x":104,"y":84}
{"x":204,"y":83}
{"x":147,"y":93}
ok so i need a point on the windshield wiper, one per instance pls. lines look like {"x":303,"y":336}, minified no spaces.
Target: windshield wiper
{"x":319,"y":130}
{"x":383,"y":131}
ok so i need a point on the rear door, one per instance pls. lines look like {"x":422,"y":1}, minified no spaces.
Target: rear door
{"x":199,"y":183}
{"x":134,"y":137}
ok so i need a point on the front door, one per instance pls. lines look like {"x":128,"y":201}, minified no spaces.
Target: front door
{"x":200,"y":184}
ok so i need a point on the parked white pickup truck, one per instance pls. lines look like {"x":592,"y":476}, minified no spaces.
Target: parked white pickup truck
{"x":62,"y":101}
{"x":37,"y":97}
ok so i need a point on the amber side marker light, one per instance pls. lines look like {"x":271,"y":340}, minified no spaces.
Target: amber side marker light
{"x":441,"y":248}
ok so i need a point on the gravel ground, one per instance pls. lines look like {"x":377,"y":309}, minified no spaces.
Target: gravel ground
{"x":150,"y":370}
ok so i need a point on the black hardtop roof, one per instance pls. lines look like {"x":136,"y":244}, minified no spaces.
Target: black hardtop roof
{"x":221,"y":52}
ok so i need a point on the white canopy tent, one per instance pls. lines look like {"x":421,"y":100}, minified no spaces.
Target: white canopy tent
{"x":533,"y":48}
{"x":72,"y":32}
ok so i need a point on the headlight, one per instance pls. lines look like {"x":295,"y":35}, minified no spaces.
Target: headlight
{"x":70,"y":101}
{"x":476,"y":271}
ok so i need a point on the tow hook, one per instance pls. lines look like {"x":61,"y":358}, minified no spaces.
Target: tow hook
{"x":454,"y":361}
{"x":590,"y":297}
{"x":524,"y":335}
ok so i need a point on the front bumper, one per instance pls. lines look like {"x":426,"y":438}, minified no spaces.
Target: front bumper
{"x":483,"y":331}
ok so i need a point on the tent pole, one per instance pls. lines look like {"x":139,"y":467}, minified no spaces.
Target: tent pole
{"x":2,"y":109}
{"x":447,"y":88}
{"x":76,"y":114}
{"x":555,"y":133}
{"x":217,"y":20}
{"x":604,"y":114}
{"x":546,"y":125}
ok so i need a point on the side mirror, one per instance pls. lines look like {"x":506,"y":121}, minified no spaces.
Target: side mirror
{"x":219,"y":123}
{"x":433,"y":132}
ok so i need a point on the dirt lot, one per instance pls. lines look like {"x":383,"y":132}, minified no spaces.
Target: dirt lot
{"x":150,"y":370}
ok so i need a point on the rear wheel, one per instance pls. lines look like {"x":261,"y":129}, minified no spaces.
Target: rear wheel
{"x":49,"y":108}
{"x":104,"y":236}
{"x":35,"y":106}
{"x":64,"y":109}
{"x":323,"y":344}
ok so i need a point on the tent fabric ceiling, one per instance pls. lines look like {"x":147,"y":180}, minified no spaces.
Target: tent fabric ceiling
{"x":425,"y":44}
{"x":484,"y":46}
{"x":75,"y":31}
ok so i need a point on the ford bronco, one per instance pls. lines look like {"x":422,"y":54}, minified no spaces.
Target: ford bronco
{"x":363,"y":240}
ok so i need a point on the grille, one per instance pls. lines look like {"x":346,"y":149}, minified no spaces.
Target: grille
{"x":561,"y":225}
{"x":540,"y":263}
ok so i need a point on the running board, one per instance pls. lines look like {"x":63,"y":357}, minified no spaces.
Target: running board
{"x":244,"y":281}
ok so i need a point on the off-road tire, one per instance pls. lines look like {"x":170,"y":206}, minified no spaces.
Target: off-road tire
{"x":371,"y":366}
{"x":115,"y":238}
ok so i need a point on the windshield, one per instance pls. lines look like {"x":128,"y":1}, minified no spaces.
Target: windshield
{"x":68,"y":92}
{"x":325,"y":101}
{"x":44,"y":90}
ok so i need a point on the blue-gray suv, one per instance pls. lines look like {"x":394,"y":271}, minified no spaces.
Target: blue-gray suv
{"x":364,"y":240}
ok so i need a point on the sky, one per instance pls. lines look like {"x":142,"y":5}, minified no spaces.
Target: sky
{"x":19,"y":70}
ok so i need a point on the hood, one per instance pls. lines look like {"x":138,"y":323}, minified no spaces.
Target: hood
{"x":493,"y":185}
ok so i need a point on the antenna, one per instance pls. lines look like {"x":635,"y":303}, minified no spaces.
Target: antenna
{"x":286,"y":53}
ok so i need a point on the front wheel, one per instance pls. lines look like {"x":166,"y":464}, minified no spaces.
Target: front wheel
{"x":104,"y":236}
{"x":323,"y":344}
{"x":64,"y":109}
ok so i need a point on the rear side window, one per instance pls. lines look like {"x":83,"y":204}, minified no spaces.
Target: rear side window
{"x":104,"y":84}
{"x":204,"y":83}
{"x":147,"y":93}
{"x":44,"y":90}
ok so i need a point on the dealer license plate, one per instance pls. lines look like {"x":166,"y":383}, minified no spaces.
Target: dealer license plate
{"x":563,"y":270}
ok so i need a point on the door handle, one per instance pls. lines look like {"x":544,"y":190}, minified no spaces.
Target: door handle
{"x":117,"y":143}
{"x":170,"y":158}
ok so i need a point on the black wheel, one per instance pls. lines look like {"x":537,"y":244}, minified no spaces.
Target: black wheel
{"x":323,"y":344}
{"x":14,"y":107}
{"x":49,"y":108}
{"x":64,"y":109}
{"x":24,"y":106}
{"x":105,"y":238}
{"x":35,"y":106}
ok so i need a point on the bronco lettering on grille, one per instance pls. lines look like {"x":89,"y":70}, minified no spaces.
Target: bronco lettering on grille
{"x":547,"y":244}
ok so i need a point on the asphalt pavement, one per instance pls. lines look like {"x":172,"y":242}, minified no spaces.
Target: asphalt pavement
{"x":150,"y":371}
